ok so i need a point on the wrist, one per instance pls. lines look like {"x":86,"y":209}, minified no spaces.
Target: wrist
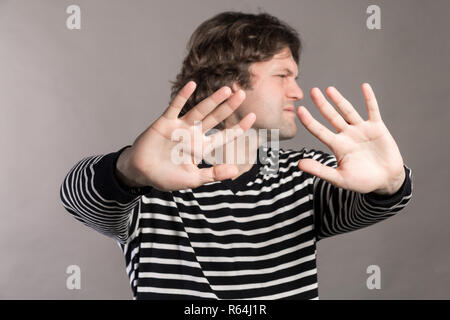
{"x":393,"y":186}
{"x":124,"y":172}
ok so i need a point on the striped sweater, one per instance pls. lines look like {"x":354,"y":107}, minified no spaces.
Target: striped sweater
{"x":250,"y":238}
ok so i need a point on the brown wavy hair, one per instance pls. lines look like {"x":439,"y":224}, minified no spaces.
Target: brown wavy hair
{"x":221,"y":50}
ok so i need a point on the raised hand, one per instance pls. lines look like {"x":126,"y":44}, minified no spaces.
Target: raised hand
{"x":368,"y":157}
{"x":150,"y":162}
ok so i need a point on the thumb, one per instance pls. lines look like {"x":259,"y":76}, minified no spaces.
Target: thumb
{"x":322,"y":171}
{"x":217,"y":173}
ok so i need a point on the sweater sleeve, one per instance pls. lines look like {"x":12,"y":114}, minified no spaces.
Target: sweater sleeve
{"x":93,"y":195}
{"x":338,"y":210}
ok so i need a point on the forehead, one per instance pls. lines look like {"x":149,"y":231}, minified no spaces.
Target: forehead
{"x":281,"y":60}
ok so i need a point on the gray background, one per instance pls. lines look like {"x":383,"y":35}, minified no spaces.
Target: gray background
{"x":69,"y":94}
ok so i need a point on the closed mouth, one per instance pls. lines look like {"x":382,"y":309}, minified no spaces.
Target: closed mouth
{"x":289,"y":108}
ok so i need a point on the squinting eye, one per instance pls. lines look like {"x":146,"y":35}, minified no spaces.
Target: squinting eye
{"x":282,"y":75}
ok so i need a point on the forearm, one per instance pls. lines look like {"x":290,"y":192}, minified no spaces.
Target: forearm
{"x":92,"y":194}
{"x":338,"y":210}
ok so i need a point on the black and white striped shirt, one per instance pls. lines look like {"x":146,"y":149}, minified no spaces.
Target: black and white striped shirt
{"x":249,"y":238}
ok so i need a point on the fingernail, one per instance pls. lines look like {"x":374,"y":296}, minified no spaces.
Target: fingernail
{"x":227,"y":90}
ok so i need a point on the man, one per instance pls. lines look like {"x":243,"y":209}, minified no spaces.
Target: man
{"x":233,"y":230}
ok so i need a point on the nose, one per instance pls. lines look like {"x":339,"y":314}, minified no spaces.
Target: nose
{"x":294,"y":91}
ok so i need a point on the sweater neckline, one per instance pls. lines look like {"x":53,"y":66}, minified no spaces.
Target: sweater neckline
{"x":240,"y":182}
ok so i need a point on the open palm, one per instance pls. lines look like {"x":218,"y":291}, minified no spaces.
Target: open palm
{"x":368,"y":157}
{"x":152,"y":160}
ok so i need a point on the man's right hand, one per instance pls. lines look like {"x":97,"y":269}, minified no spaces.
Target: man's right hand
{"x":149,"y":162}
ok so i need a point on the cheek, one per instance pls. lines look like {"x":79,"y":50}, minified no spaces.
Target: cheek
{"x":271,"y":106}
{"x":265,"y":101}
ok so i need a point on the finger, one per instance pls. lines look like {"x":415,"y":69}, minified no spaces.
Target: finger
{"x":217,"y":173}
{"x":201,"y":110}
{"x":173,"y":110}
{"x":348,"y":112}
{"x":327,"y":110}
{"x":322,"y":171}
{"x":223,"y":111}
{"x":315,"y":127}
{"x":225,"y":136}
{"x":371,"y":103}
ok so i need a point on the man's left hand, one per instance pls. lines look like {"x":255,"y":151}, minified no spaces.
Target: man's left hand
{"x":367,"y":156}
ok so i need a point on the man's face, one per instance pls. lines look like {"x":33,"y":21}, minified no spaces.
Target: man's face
{"x":274,"y":88}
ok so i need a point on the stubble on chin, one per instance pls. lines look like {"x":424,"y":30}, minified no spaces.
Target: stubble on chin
{"x":288,"y":132}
